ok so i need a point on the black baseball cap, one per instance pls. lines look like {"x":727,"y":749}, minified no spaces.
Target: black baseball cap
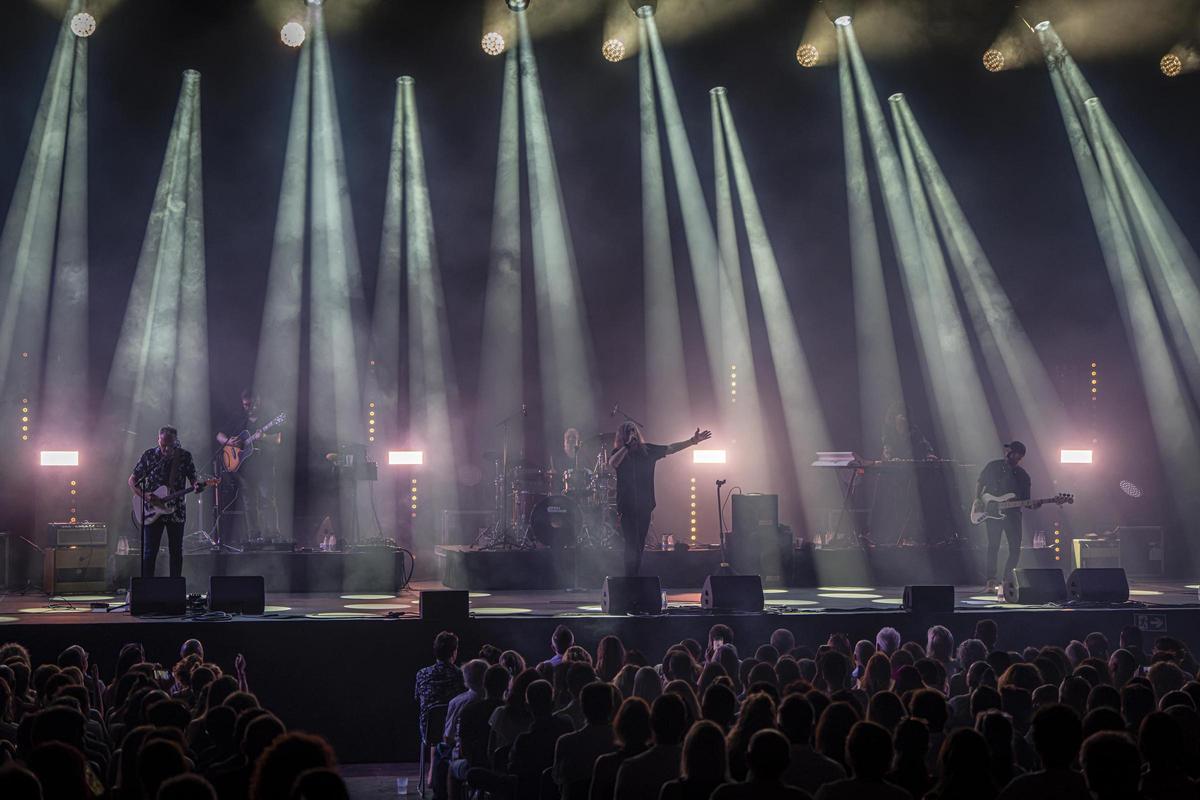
{"x":1016,"y":446}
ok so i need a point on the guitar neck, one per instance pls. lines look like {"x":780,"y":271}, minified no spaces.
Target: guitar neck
{"x":1024,"y":503}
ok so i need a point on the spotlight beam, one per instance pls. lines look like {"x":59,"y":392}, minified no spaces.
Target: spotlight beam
{"x":666,"y":376}
{"x":277,"y":366}
{"x":564,"y":346}
{"x":501,"y":379}
{"x":804,"y":421}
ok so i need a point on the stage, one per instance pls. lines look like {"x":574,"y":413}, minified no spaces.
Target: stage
{"x":370,"y":645}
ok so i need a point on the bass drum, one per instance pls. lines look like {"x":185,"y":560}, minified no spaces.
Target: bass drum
{"x":556,"y":522}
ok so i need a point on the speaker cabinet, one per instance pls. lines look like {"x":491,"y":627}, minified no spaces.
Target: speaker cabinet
{"x":448,"y":606}
{"x":237,"y":594}
{"x":1035,"y":586}
{"x":75,"y":569}
{"x":732,"y":593}
{"x":1102,"y":585}
{"x":166,"y":596}
{"x":756,"y":546}
{"x":924,"y":599}
{"x":637,"y":595}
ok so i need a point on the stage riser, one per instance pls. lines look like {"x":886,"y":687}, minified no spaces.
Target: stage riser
{"x":502,"y":570}
{"x":284,"y":573}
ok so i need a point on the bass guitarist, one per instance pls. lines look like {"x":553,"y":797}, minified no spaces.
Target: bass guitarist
{"x":1001,"y":477}
{"x":171,"y":466}
{"x":252,"y":478}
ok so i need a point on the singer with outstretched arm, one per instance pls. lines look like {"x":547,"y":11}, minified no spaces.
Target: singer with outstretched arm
{"x":634,"y":462}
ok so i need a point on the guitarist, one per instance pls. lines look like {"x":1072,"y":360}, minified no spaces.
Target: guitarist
{"x":1000,"y":477}
{"x":171,"y":466}
{"x":252,"y":479}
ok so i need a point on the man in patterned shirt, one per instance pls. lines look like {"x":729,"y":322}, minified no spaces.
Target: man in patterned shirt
{"x":441,"y":681}
{"x":171,"y":466}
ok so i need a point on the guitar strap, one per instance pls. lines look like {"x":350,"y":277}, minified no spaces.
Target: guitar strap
{"x":174,"y":470}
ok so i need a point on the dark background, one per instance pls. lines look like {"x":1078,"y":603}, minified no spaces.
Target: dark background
{"x":999,"y":138}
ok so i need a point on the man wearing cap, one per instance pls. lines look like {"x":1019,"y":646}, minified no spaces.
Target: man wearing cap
{"x":1001,"y":477}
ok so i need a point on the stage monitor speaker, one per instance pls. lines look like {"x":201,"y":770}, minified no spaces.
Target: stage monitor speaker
{"x":732,"y":593}
{"x":1035,"y":586}
{"x":922,"y":599}
{"x":237,"y":594}
{"x":448,"y":606}
{"x":157,"y":596}
{"x":640,"y":595}
{"x":1099,"y":585}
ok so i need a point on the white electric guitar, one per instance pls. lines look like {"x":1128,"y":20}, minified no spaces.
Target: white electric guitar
{"x":164,"y":501}
{"x":990,"y":506}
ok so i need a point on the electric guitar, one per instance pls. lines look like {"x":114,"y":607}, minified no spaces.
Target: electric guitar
{"x":990,"y":506}
{"x":233,"y":456}
{"x":165,"y":503}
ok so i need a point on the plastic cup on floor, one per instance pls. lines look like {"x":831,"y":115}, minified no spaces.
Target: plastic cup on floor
{"x":401,"y":785}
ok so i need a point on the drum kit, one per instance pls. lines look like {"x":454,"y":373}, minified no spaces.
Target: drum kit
{"x":536,"y":506}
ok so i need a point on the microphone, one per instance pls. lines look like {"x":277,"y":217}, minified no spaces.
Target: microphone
{"x":616,"y":407}
{"x":721,"y":483}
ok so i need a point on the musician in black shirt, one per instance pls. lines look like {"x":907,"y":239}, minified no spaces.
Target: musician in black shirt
{"x":902,"y":439}
{"x":171,"y":466}
{"x":253,"y":480}
{"x":634,"y":462}
{"x":1000,"y":477}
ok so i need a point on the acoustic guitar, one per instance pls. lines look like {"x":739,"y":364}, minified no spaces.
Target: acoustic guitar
{"x":233,"y":456}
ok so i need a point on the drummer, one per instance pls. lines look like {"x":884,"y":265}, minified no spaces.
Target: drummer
{"x":574,"y":478}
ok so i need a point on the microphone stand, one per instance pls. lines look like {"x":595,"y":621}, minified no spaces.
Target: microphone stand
{"x":725,"y":568}
{"x":621,"y":411}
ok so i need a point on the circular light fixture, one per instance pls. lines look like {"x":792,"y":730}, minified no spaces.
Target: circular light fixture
{"x":613,"y":50}
{"x":808,"y":55}
{"x":493,"y":43}
{"x":1044,"y":25}
{"x":643,"y":8}
{"x":1171,"y":65}
{"x":993,"y":60}
{"x":1130,"y":488}
{"x":83,"y":24}
{"x":717,"y":90}
{"x":896,"y":98}
{"x":517,"y":5}
{"x":842,"y":21}
{"x":292,"y":34}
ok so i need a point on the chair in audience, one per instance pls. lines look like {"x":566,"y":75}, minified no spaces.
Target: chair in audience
{"x":431,"y":737}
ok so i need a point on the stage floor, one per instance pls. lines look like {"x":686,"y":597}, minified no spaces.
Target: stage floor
{"x":39,"y":609}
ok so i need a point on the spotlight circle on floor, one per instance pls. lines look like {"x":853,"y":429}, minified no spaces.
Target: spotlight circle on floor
{"x":83,"y":24}
{"x":613,"y":50}
{"x":1171,"y":65}
{"x":808,"y":55}
{"x":292,"y":34}
{"x":842,"y":21}
{"x":492,"y":43}
{"x":993,"y":60}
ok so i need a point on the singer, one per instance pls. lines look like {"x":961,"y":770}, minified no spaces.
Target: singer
{"x":634,"y":460}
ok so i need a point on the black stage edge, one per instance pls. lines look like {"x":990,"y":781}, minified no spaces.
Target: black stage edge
{"x":464,"y":567}
{"x":352,"y":680}
{"x":375,"y":570}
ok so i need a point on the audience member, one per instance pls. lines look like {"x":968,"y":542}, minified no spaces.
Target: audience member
{"x":868,"y":754}
{"x":641,"y":777}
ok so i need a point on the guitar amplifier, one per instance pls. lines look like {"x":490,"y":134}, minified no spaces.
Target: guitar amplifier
{"x":75,"y":568}
{"x":65,"y":534}
{"x":1096,"y":553}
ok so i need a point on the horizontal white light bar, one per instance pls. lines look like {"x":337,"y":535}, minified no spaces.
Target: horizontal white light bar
{"x":406,"y":457}
{"x":708,"y":456}
{"x":60,"y":458}
{"x":1075,"y":456}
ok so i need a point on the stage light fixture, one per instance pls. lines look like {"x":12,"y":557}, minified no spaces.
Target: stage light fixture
{"x":83,"y":24}
{"x":316,"y":2}
{"x":1044,"y":25}
{"x":808,"y":55}
{"x":613,"y":50}
{"x":493,"y":43}
{"x":1130,"y":488}
{"x":993,"y":60}
{"x":643,"y":8}
{"x":1075,"y":456}
{"x":406,"y":457}
{"x":842,"y":21}
{"x":292,"y":34}
{"x":517,"y":5}
{"x":708,"y":456}
{"x":59,"y":458}
{"x":1171,"y":65}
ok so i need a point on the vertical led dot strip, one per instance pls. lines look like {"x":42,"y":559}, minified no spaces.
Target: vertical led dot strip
{"x":733,"y":383}
{"x":73,"y":494}
{"x":412,"y":497}
{"x":24,"y":419}
{"x":693,"y":510}
{"x":1057,"y":542}
{"x":371,"y":421}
